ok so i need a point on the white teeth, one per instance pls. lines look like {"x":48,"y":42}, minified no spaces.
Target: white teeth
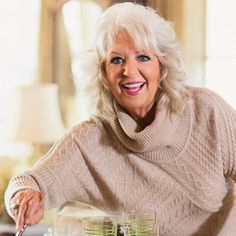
{"x":135,"y":85}
{"x":134,"y":89}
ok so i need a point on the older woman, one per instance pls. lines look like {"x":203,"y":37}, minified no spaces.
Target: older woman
{"x":153,"y":143}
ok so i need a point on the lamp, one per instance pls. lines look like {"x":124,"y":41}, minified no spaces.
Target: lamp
{"x":37,"y":117}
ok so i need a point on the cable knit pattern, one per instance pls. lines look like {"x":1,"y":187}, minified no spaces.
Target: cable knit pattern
{"x":183,"y":167}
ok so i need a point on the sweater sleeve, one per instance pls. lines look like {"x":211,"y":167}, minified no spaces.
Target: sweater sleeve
{"x":226,"y":120}
{"x":227,"y":125}
{"x":57,"y":174}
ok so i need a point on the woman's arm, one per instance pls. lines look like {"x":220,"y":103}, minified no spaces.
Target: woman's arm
{"x":43,"y":186}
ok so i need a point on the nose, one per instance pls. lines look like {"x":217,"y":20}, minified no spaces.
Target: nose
{"x":130,"y":68}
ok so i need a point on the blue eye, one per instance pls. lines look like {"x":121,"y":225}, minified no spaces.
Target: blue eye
{"x":143,"y":58}
{"x":117,"y":60}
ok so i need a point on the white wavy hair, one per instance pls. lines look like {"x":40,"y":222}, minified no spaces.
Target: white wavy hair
{"x":149,"y":31}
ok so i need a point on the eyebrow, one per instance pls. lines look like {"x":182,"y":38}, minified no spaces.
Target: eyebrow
{"x":114,"y":52}
{"x":141,"y":51}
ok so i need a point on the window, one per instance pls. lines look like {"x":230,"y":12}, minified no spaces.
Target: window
{"x":18,"y":54}
{"x":221,"y":49}
{"x":80,"y":18}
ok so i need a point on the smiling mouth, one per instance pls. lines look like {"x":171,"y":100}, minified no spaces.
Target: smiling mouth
{"x":133,"y":88}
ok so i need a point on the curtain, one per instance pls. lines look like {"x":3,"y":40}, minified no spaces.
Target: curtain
{"x":54,"y":53}
{"x":103,"y":4}
{"x":188,"y":17}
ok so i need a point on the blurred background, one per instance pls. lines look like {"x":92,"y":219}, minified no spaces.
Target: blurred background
{"x":40,"y":47}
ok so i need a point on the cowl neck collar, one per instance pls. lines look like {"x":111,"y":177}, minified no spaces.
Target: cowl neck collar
{"x":163,"y":139}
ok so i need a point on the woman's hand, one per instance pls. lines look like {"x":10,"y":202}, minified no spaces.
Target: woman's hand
{"x":28,"y":207}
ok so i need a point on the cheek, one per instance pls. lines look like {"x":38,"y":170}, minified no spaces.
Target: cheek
{"x":156,"y":75}
{"x":111,"y":80}
{"x":154,"y":83}
{"x":154,"y":78}
{"x":108,"y":72}
{"x":112,"y":75}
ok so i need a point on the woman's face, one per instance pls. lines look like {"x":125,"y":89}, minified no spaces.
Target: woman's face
{"x":133,"y":75}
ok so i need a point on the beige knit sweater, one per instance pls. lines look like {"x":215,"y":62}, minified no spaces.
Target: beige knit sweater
{"x":181,"y":167}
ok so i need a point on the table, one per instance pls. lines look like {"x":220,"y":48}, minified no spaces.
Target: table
{"x":36,"y":230}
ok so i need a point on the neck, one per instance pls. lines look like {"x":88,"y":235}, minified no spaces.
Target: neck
{"x":145,"y":120}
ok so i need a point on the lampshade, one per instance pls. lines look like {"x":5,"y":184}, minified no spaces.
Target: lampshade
{"x":37,"y":117}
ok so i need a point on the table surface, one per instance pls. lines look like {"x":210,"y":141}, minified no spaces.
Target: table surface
{"x":36,"y":230}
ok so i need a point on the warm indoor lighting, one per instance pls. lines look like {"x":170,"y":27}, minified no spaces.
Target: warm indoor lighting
{"x":36,"y":117}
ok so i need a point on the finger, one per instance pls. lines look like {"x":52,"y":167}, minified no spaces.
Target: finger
{"x":20,"y":195}
{"x":14,"y":206}
{"x":29,"y":202}
{"x":20,"y":219}
{"x":36,"y":217}
{"x":15,"y":214}
{"x":32,"y":207}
